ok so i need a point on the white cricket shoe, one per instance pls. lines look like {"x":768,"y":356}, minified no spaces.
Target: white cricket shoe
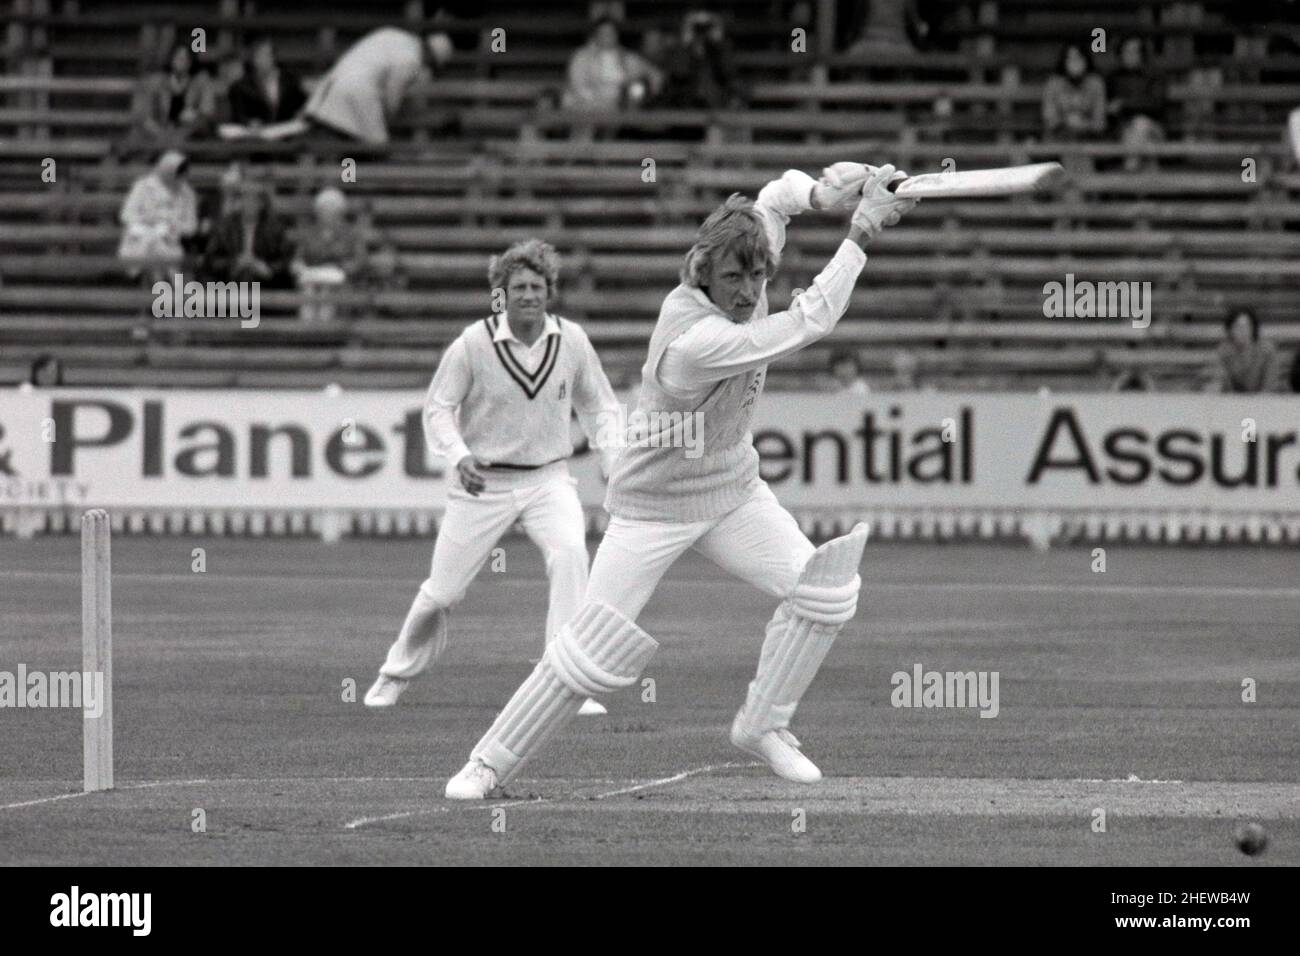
{"x":474,"y":782}
{"x":780,"y":750}
{"x":385,"y":691}
{"x":591,"y":708}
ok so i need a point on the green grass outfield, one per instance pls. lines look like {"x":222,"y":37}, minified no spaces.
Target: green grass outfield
{"x":1119,"y":691}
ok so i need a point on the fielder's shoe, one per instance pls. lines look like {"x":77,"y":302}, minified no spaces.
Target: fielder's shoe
{"x":591,"y":708}
{"x":475,"y":781}
{"x":779,"y":749}
{"x":385,"y":691}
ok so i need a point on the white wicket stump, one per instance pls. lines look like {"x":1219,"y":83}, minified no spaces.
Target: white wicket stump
{"x":97,"y":646}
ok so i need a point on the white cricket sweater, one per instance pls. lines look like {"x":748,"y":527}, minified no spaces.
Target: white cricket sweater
{"x":701,"y":362}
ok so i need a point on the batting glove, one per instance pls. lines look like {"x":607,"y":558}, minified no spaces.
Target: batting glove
{"x":840,"y":186}
{"x":879,"y":207}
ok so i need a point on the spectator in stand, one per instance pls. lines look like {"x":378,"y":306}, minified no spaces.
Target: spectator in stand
{"x":251,"y":243}
{"x":1074,"y":98}
{"x":229,"y":188}
{"x":1243,"y":362}
{"x":1293,"y":133}
{"x":159,"y":213}
{"x":603,"y":75}
{"x":268,"y":93}
{"x":175,"y":102}
{"x":1202,"y":84}
{"x":47,"y":372}
{"x":230,"y":73}
{"x":1132,"y":380}
{"x":364,"y":90}
{"x":213,"y":207}
{"x":331,"y":255}
{"x":699,"y":70}
{"x":905,"y":370}
{"x":383,"y":270}
{"x":1137,"y":100}
{"x":888,"y":27}
{"x":658,"y":47}
{"x":606,"y":10}
{"x":846,"y":374}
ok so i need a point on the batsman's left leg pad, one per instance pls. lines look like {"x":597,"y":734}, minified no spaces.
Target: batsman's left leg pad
{"x":598,"y":652}
{"x":801,"y":632}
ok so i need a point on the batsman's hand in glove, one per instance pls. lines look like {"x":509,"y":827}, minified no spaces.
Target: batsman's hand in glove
{"x":878,"y":207}
{"x":840,"y":186}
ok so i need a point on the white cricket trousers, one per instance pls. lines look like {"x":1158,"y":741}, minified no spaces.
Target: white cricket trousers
{"x":759,"y":542}
{"x":551,"y":515}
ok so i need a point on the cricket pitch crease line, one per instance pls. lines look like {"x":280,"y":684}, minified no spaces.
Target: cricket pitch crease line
{"x":675,"y":778}
{"x":144,"y":785}
{"x":366,"y":821}
{"x":148,"y":784}
{"x":661,"y":782}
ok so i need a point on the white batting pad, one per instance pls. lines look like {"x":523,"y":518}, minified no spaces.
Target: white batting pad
{"x":796,"y":643}
{"x":598,"y":652}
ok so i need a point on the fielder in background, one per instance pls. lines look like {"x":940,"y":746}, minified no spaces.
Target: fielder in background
{"x":709,"y":354}
{"x":499,"y":410}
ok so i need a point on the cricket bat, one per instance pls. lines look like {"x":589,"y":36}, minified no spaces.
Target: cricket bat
{"x":1004,"y":181}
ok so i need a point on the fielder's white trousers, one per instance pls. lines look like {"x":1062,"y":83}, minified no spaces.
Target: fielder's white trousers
{"x":758,"y":541}
{"x":551,"y":515}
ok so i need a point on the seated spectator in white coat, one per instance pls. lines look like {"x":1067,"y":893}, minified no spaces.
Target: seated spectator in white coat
{"x":603,"y":75}
{"x":160,"y":211}
{"x":362,"y":93}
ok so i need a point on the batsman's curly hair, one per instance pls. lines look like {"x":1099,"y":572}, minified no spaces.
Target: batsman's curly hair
{"x":733,"y":226}
{"x":533,"y":254}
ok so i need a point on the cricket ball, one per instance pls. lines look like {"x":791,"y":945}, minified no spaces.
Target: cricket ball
{"x":1251,"y":839}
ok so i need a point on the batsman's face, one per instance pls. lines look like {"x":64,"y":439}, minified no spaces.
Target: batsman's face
{"x":735,"y":289}
{"x":526,"y":295}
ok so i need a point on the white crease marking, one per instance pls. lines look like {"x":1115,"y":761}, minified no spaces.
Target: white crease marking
{"x":143,"y":785}
{"x":39,"y":800}
{"x":661,"y":782}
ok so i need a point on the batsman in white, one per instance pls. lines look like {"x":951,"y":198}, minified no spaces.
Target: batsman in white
{"x":708,"y":356}
{"x":499,"y":409}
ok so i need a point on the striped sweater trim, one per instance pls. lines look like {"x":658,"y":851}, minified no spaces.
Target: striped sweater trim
{"x":531,"y":382}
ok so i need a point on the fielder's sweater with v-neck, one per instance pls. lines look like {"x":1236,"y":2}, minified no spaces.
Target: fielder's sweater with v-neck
{"x":510,"y":404}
